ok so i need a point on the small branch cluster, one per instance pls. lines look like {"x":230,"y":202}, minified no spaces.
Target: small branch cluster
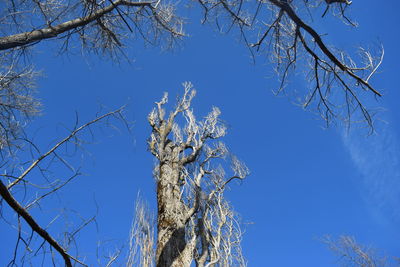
{"x":17,"y":102}
{"x":32,"y":237}
{"x":141,"y":243}
{"x":350,"y":253}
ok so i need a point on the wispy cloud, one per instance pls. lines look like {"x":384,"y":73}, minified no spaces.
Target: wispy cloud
{"x":377,"y":158}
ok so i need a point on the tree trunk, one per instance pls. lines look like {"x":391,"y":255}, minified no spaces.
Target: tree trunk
{"x":171,"y":238}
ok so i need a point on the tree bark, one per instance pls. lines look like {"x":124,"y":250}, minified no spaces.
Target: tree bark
{"x":171,"y":238}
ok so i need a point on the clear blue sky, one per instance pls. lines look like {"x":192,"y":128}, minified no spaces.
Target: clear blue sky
{"x":306,"y":181}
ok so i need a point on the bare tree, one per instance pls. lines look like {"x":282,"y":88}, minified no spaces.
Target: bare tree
{"x":194,"y":220}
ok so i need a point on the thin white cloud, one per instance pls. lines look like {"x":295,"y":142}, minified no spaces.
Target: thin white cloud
{"x":377,"y":158}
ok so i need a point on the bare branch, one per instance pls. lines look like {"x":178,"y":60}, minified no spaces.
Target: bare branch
{"x":21,"y":211}
{"x":54,"y":148}
{"x":290,"y":40}
{"x":25,"y":38}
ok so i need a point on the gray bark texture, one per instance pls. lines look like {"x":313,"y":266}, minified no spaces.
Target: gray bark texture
{"x":171,"y":211}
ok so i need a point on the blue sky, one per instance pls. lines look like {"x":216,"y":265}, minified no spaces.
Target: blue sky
{"x":306,"y":181}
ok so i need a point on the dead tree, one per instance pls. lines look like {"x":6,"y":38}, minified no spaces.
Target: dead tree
{"x":195,"y":223}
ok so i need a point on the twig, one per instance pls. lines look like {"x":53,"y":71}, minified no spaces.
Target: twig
{"x":72,"y":134}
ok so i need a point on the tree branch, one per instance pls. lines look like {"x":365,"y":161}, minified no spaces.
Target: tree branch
{"x":283,"y":5}
{"x":26,"y":38}
{"x":66,"y":139}
{"x":21,"y":211}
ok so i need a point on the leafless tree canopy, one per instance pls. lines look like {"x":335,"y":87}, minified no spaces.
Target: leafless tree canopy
{"x":195,"y":223}
{"x":284,"y":30}
{"x":100,"y":25}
